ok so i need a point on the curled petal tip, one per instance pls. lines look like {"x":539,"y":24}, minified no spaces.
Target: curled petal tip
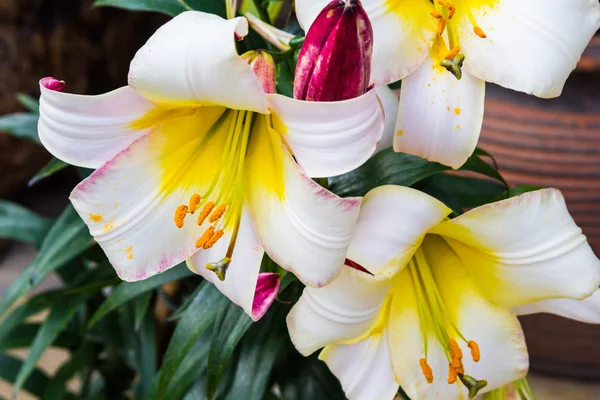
{"x":53,"y":84}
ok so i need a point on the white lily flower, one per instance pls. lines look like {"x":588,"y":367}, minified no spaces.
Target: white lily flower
{"x":441,"y":287}
{"x":194,"y":133}
{"x":526,"y":45}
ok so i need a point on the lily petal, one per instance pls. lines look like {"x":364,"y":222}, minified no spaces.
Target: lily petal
{"x":303,"y":227}
{"x":364,"y":369}
{"x":130,"y":202}
{"x":87,"y":131}
{"x":192,"y":60}
{"x":495,"y":329}
{"x":392,"y":223}
{"x":439,"y":117}
{"x":329,"y":138}
{"x":346,"y":309}
{"x":243,"y":284}
{"x":587,"y":310}
{"x":524,"y":249}
{"x":389,"y":101}
{"x":530,"y":46}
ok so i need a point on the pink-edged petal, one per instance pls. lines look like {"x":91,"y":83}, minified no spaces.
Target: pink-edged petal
{"x":87,"y":131}
{"x":303,"y":227}
{"x":587,"y":310}
{"x":243,"y":284}
{"x":129,"y":203}
{"x":329,"y":138}
{"x":364,"y":369}
{"x":440,"y":117}
{"x":346,"y":309}
{"x":530,"y":46}
{"x":524,"y":249}
{"x":392,"y":223}
{"x":192,"y":60}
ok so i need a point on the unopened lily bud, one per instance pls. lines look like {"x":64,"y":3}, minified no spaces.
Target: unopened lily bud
{"x":52,"y":84}
{"x":334,"y":63}
{"x":263,"y":65}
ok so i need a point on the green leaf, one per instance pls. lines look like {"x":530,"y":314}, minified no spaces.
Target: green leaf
{"x":53,"y":166}
{"x":67,"y":238}
{"x":140,"y":306}
{"x":191,"y":368}
{"x":28,"y":102}
{"x":230,"y":325}
{"x":476,"y":164}
{"x":58,"y":319}
{"x":23,"y":335}
{"x":198,"y":316}
{"x":57,"y":386}
{"x":519,"y":190}
{"x":128,"y":290}
{"x":21,"y":125}
{"x":284,"y":75}
{"x":35,"y":384}
{"x":145,"y":355}
{"x":18,"y":223}
{"x":169,"y":7}
{"x":385,"y":168}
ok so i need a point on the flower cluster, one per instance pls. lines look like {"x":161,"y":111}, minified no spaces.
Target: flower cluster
{"x":199,"y":160}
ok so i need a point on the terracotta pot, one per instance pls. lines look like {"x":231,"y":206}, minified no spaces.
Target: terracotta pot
{"x":555,"y":143}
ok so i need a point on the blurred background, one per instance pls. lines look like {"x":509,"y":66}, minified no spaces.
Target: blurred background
{"x":539,"y":142}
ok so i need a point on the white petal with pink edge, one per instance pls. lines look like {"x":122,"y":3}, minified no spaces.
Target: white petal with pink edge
{"x":87,"y":131}
{"x":243,"y":284}
{"x":440,"y":117}
{"x":524,"y":249}
{"x":192,"y":60}
{"x":364,"y":369}
{"x":389,"y":101}
{"x":531,"y":46}
{"x":329,"y":138}
{"x":346,"y":309}
{"x":392,"y":223}
{"x":303,"y":227}
{"x":587,"y":310}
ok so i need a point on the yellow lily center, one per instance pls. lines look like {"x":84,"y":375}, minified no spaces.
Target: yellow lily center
{"x":435,"y":319}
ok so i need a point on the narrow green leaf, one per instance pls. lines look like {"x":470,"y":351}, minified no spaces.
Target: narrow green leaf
{"x":28,"y":102}
{"x":385,"y":168}
{"x":140,"y":307}
{"x":60,"y":315}
{"x":57,"y":385}
{"x":476,"y":164}
{"x":21,"y":125}
{"x":198,"y":316}
{"x":67,"y":238}
{"x":181,"y":310}
{"x":24,"y":311}
{"x":128,"y":290}
{"x":24,"y":335}
{"x":53,"y":166}
{"x":18,"y":223}
{"x":190,"y":369}
{"x":230,"y":325}
{"x":145,"y":354}
{"x":35,"y":384}
{"x":169,"y":7}
{"x":284,"y":78}
{"x":198,"y":391}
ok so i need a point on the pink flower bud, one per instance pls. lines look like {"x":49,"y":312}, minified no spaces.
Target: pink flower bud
{"x":334,"y":63}
{"x":263,"y":65}
{"x":53,"y":84}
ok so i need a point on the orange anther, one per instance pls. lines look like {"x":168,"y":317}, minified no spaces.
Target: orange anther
{"x":451,"y":374}
{"x":194,"y":201}
{"x":217,"y":213}
{"x":205,"y":237}
{"x":452,"y":53}
{"x":436,"y":14}
{"x":180,"y":213}
{"x":213,"y":239}
{"x":448,"y":5}
{"x":455,"y":351}
{"x":479,"y":32}
{"x":441,"y":25}
{"x":426,"y":369}
{"x":205,"y":211}
{"x":475,"y":353}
